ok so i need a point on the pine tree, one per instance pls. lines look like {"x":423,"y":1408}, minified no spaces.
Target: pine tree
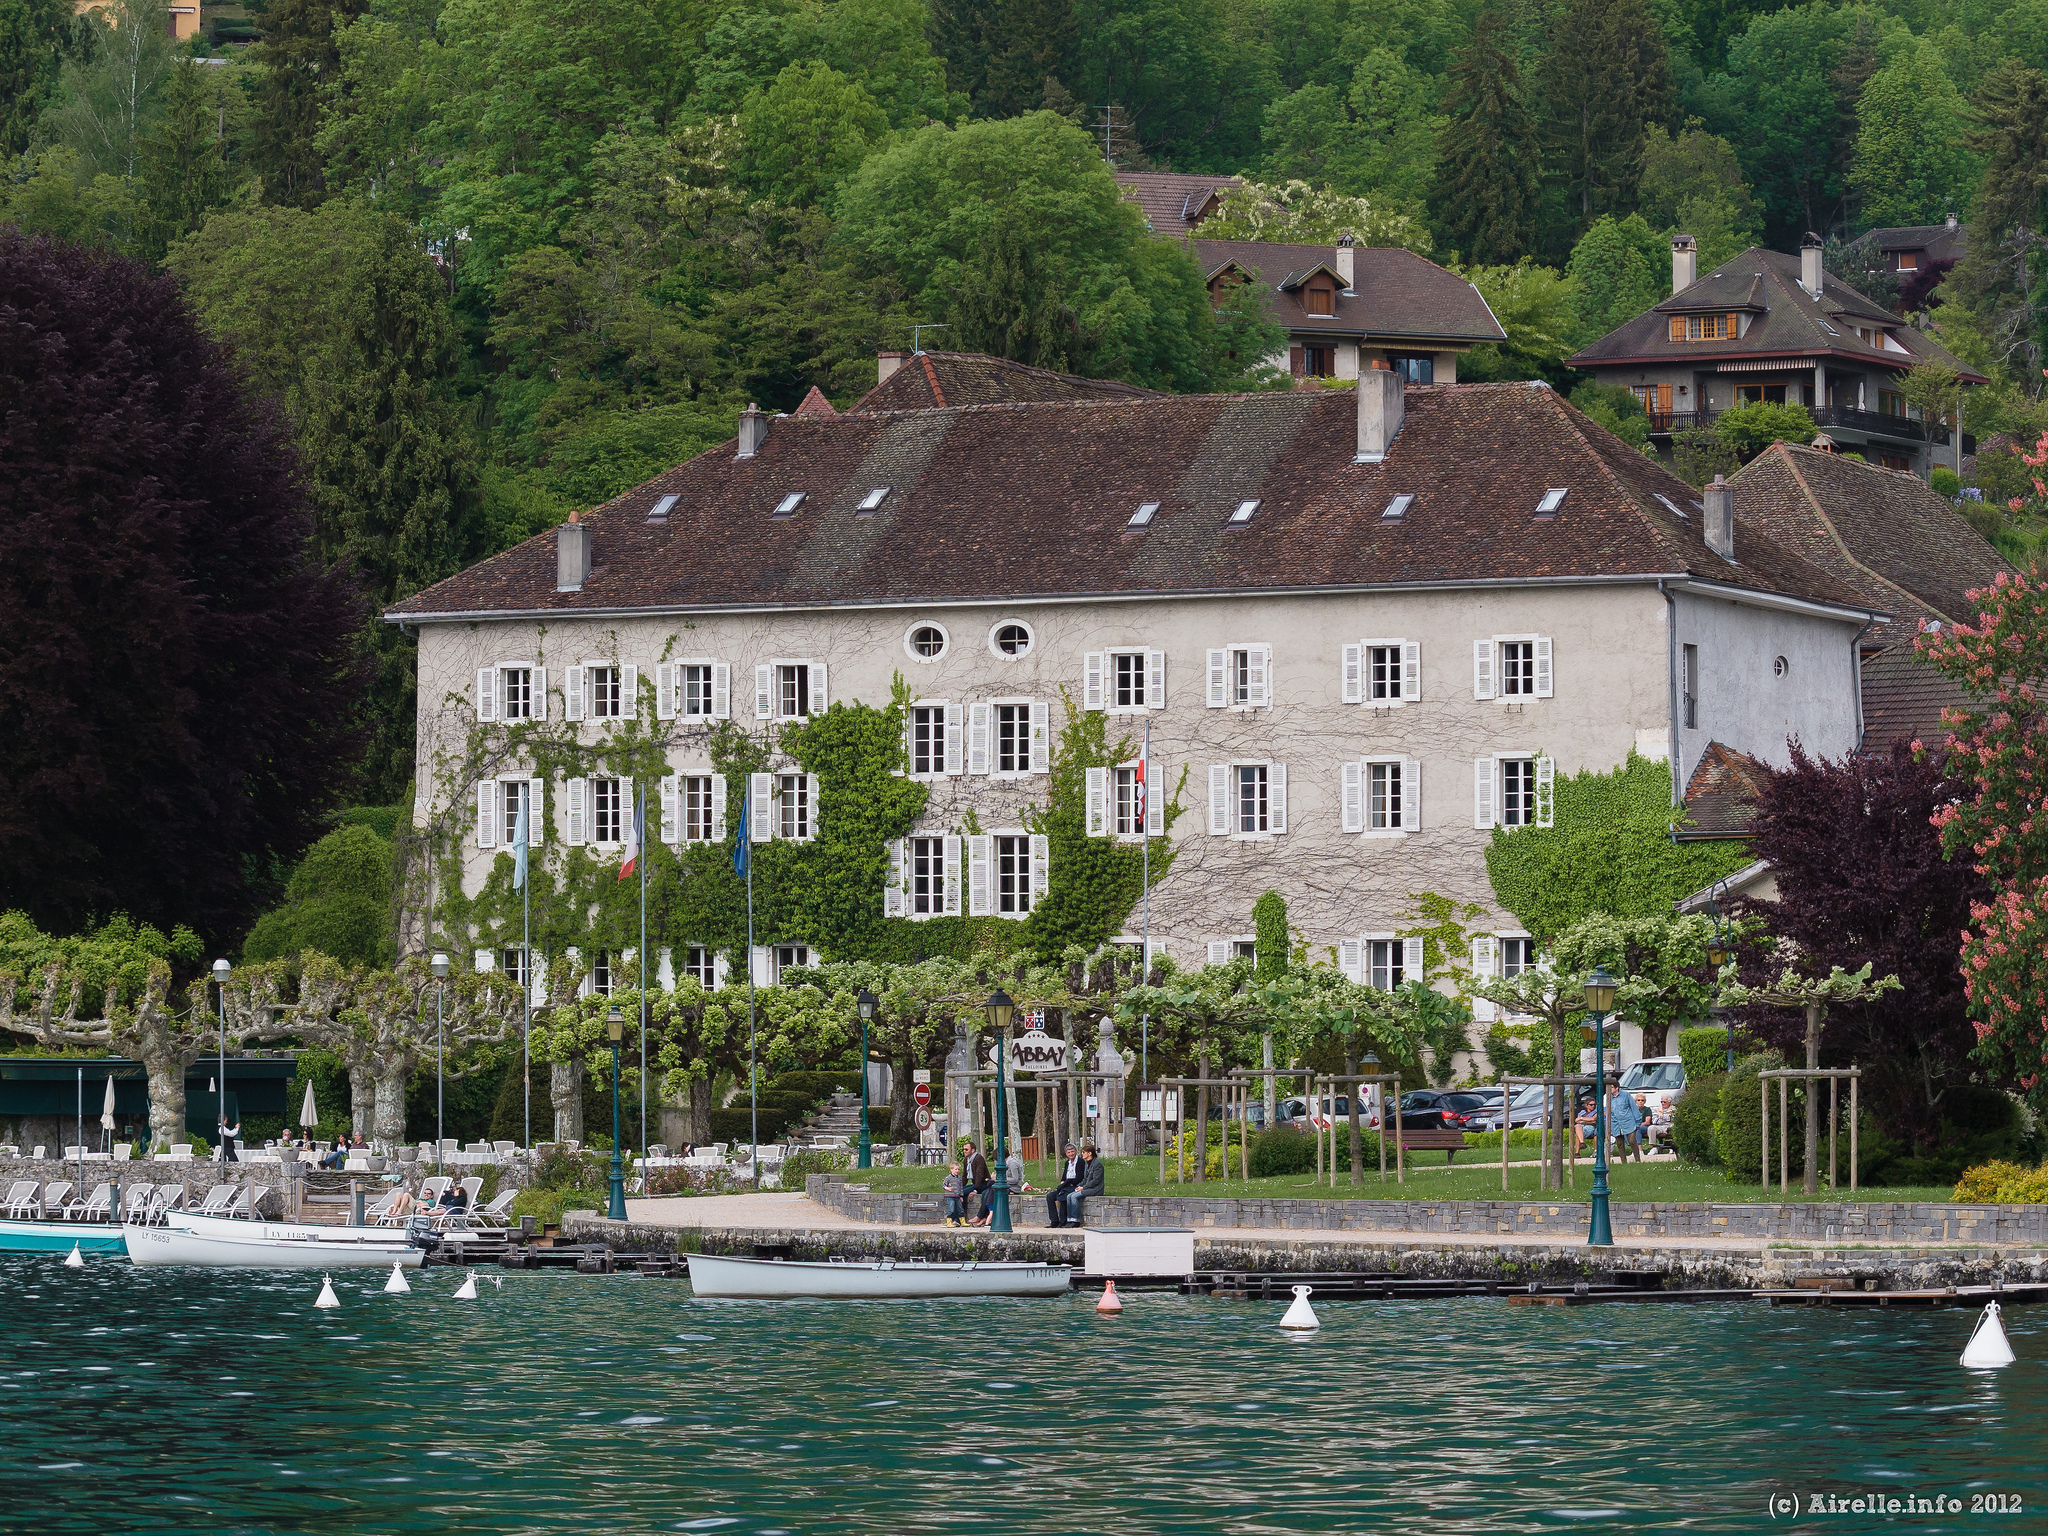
{"x":299,"y":49}
{"x":1488,"y":178}
{"x":1008,"y":305}
{"x":32,"y":34}
{"x":1606,"y":78}
{"x":185,"y":172}
{"x":999,"y":53}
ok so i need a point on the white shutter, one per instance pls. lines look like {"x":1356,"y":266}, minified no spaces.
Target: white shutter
{"x":1091,"y":680}
{"x":977,"y":738}
{"x":955,"y":760}
{"x":1276,"y":796}
{"x":763,"y":962}
{"x":818,"y":697}
{"x":1098,"y":802}
{"x":664,"y":692}
{"x":1411,"y":669}
{"x":536,"y":824}
{"x":811,"y":805}
{"x":720,"y":964}
{"x":1482,"y":669}
{"x":764,"y":692}
{"x":1411,"y":960}
{"x":540,"y":693}
{"x":1354,"y":673}
{"x":949,"y":864}
{"x":1546,"y":792}
{"x":1219,"y":679}
{"x":1411,"y":794}
{"x":1219,"y":951}
{"x":572,"y":692}
{"x":718,"y":793}
{"x":1351,"y":957}
{"x":1155,"y":805}
{"x":1543,"y":666}
{"x":1485,"y":960}
{"x":761,"y":806}
{"x":1482,"y":792}
{"x":487,"y":813}
{"x":1219,"y":799}
{"x":979,"y":903}
{"x":579,"y":800}
{"x":721,"y":690}
{"x":629,"y":690}
{"x":671,"y":819}
{"x":1259,"y":686}
{"x":486,"y":962}
{"x":486,"y":693}
{"x":1041,"y":736}
{"x":1354,"y":796}
{"x":1041,"y":868}
{"x":892,"y":893}
{"x":1155,"y":679}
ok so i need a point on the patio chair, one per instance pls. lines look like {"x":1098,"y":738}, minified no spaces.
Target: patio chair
{"x":217,"y":1200}
{"x":55,"y":1198}
{"x":430,"y":1189}
{"x":241,"y":1202}
{"x":504,"y":1148}
{"x":94,"y":1207}
{"x":124,"y":1151}
{"x":377,"y":1212}
{"x":24,"y":1199}
{"x":471,"y":1188}
{"x":499,"y":1212}
{"x":40,"y":1153}
{"x":7,"y":1150}
{"x":135,"y":1202}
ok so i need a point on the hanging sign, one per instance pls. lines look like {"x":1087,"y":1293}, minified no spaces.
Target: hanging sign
{"x":1036,"y":1051}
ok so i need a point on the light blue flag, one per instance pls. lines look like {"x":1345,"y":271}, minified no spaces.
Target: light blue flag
{"x":519,"y":847}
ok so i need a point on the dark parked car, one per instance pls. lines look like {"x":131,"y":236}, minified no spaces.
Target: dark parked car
{"x":1445,"y":1109}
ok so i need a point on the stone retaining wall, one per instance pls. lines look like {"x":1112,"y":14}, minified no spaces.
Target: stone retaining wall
{"x":1793,"y":1222}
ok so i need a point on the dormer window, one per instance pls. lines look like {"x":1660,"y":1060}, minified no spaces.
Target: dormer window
{"x":1244,"y":511}
{"x":1147,"y":510}
{"x":874,"y":498}
{"x":1397,"y":509}
{"x":1705,"y":327}
{"x":1552,"y":500}
{"x":788,"y":505}
{"x":1319,"y":298}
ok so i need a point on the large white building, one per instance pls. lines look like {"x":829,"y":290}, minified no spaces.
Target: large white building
{"x":1370,"y":624}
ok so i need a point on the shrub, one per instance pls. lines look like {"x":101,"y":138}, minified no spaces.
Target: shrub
{"x":1978,"y":1125}
{"x":1945,"y":482}
{"x":1277,"y":1153}
{"x":1522,"y":1136}
{"x":1704,"y":1051}
{"x":878,"y":1121}
{"x":1750,"y":429}
{"x":547,"y":1205}
{"x":800,"y":1165}
{"x":1739,"y":1127}
{"x":1694,"y":1114}
{"x":2003,"y":1183}
{"x":731,"y":1125}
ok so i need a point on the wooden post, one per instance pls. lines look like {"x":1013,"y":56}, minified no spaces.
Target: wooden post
{"x":1383,"y":1127}
{"x":1162,"y":1136}
{"x":1763,"y":1085}
{"x":1834,"y":1124}
{"x":1244,"y":1134}
{"x":1506,"y":1098}
{"x":1852,"y":1132}
{"x":1784,"y":1138}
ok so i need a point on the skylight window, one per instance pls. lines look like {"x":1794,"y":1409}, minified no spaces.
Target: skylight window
{"x":874,"y":498}
{"x":1244,"y":511}
{"x":1397,"y":509}
{"x":789,"y":504}
{"x":661,"y":509}
{"x":1147,"y":510}
{"x":1672,"y":507}
{"x":1552,"y":500}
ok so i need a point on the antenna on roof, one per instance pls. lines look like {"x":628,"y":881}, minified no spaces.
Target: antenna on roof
{"x":914,"y":345}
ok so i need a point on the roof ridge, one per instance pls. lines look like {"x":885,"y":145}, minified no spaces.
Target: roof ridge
{"x":1841,"y":544}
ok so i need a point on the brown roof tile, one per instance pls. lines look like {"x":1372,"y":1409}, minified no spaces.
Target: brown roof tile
{"x":815,"y":404}
{"x":1034,"y":499}
{"x":1394,"y":292}
{"x":1903,"y":698}
{"x":1169,"y":200}
{"x":935,"y":379}
{"x":1720,"y":797}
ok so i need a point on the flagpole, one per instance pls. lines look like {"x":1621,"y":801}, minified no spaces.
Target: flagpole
{"x":1145,"y":942}
{"x":526,"y":994}
{"x":753,"y":1076}
{"x":640,"y":845}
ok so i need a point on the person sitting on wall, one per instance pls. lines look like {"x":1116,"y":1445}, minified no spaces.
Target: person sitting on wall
{"x":1093,"y":1176}
{"x":1070,"y":1180}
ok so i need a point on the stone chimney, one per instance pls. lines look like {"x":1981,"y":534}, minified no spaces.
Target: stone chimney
{"x":753,"y":431}
{"x":1380,"y":411}
{"x":572,"y":554}
{"x":1344,"y":261}
{"x":1951,"y":223}
{"x":1809,"y":263}
{"x":1719,"y":500}
{"x":886,"y":364}
{"x":1685,"y":262}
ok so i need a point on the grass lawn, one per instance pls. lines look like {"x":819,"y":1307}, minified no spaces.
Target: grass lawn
{"x":1431,"y":1179}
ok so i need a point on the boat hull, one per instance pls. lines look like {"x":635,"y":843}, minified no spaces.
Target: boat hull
{"x":719,"y":1275}
{"x":58,"y":1236}
{"x":233,"y":1243}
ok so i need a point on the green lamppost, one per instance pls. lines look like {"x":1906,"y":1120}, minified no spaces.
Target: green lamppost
{"x":864,"y":1005}
{"x":1599,"y":1003}
{"x":999,"y":1010}
{"x":615,"y":1026}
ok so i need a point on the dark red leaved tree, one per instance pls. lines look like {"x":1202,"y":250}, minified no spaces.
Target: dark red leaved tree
{"x":1861,"y":878}
{"x":176,"y":668}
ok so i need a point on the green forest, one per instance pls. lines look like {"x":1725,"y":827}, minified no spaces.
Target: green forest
{"x":499,"y":260}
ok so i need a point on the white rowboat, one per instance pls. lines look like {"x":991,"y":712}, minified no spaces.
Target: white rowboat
{"x":777,"y":1279}
{"x":240,"y":1243}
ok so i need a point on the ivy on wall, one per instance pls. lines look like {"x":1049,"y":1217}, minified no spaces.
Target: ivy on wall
{"x":1610,"y":849}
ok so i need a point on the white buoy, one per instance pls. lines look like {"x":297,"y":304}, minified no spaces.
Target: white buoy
{"x":467,"y":1290}
{"x":1988,"y":1346}
{"x":74,"y":1259}
{"x":1111,"y":1302}
{"x":1301,"y":1317}
{"x":327,"y":1297}
{"x":397,"y":1284}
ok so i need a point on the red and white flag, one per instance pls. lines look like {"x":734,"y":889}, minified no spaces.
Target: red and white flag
{"x":1139,"y":791}
{"x":632,"y":851}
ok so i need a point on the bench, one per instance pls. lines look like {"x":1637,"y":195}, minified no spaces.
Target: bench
{"x":1450,"y":1143}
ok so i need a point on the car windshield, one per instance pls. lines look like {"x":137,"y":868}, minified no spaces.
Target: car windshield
{"x":1423,"y":1100}
{"x":1529,"y":1097}
{"x":1465,"y":1101}
{"x":1653,"y":1075}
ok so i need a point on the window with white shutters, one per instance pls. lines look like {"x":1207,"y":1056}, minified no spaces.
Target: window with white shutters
{"x":609,"y":690}
{"x":1013,"y":874}
{"x":1251,"y":797}
{"x":929,"y":724}
{"x":1240,"y":677}
{"x":513,"y":963}
{"x":1517,"y":955}
{"x":1128,"y":804}
{"x":516,"y":795}
{"x":699,"y":965}
{"x":796,"y":806}
{"x":1125,"y":682}
{"x":926,"y":891}
{"x":609,"y":811}
{"x":1247,"y":799}
{"x":703,"y":806}
{"x":520,"y":693}
{"x":1517,"y":791}
{"x":1389,"y":962}
{"x":703,"y":690}
{"x":789,"y":690}
{"x":788,"y":957}
{"x":1386,"y":803}
{"x":1512,"y":667}
{"x":1518,"y":668}
{"x":1014,"y":747}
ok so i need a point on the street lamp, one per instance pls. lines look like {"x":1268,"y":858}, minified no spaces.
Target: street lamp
{"x":440,"y":1052}
{"x":864,"y":1005}
{"x":999,"y":1010}
{"x":221,"y":971}
{"x":615,"y":1027}
{"x":1599,"y":1003}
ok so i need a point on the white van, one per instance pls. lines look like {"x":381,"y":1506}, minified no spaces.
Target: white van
{"x":1655,"y":1080}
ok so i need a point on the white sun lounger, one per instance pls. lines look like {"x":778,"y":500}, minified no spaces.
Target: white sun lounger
{"x":94,"y":1207}
{"x":24,"y":1199}
{"x":135,"y":1202}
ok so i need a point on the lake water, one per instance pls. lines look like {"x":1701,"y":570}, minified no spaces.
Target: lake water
{"x":189,"y":1401}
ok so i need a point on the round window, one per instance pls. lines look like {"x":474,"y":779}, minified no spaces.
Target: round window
{"x":1011,"y":639}
{"x":927,"y":642}
{"x":1781,"y":666}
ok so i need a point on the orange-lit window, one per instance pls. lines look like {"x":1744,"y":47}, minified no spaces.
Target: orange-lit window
{"x":1909,"y":261}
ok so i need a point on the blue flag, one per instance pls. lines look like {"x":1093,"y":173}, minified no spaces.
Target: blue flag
{"x":519,"y":846}
{"x":739,"y":846}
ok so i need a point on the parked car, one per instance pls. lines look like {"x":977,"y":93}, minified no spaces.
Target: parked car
{"x":1655,"y":1081}
{"x":1525,"y":1113}
{"x":1445,"y":1109}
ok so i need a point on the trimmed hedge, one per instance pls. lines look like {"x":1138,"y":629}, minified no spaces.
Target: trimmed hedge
{"x":1704,"y":1050}
{"x":1693,"y":1117}
{"x":730,"y":1125}
{"x":1277,"y":1153}
{"x":1739,"y":1126}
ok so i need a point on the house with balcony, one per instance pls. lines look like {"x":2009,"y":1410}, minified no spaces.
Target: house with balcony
{"x":1767,"y":326}
{"x":1914,"y":248}
{"x":1345,"y":307}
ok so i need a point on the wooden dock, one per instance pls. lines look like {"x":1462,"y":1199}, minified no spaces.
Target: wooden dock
{"x":1950,"y":1296}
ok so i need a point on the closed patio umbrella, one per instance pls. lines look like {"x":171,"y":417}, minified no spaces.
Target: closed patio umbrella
{"x":107,"y":1112}
{"x":308,"y":1118}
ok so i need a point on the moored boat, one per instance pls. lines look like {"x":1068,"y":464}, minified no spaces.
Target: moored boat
{"x":240,"y":1242}
{"x":723,"y":1275}
{"x":58,"y":1236}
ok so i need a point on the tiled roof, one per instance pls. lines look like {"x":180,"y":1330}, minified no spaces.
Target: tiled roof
{"x":1793,"y":323}
{"x":1169,"y":200}
{"x":1720,"y":797}
{"x":929,"y":379}
{"x":1394,"y":292}
{"x":1941,"y":242}
{"x":1903,"y":698}
{"x":815,"y":404}
{"x":1015,"y":501}
{"x":1881,"y":531}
